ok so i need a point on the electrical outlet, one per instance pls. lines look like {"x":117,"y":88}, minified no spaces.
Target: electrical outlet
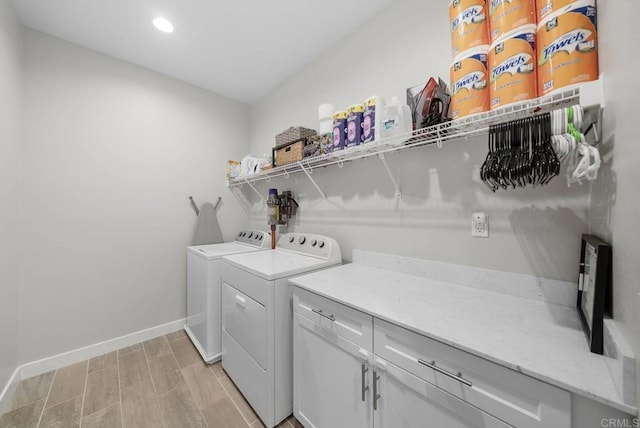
{"x":480,"y":225}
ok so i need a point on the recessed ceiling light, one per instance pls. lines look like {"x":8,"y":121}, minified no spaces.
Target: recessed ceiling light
{"x":163,"y":25}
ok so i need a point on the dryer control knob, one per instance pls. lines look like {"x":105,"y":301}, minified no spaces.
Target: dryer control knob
{"x":302,"y":240}
{"x":291,"y":239}
{"x":250,"y":235}
{"x":321,"y":244}
{"x":313,"y":242}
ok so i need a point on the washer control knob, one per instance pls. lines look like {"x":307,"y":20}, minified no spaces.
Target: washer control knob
{"x":291,"y":239}
{"x":259,"y":237}
{"x":321,"y":244}
{"x":302,"y":240}
{"x":250,"y":235}
{"x":313,"y":242}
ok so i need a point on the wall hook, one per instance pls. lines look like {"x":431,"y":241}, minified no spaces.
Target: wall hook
{"x":593,"y":126}
{"x":194,"y":206}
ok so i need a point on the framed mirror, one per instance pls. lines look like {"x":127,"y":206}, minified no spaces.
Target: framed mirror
{"x":594,"y":288}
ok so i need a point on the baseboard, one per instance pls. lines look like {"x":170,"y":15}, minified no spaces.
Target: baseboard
{"x":77,"y":355}
{"x":9,"y":389}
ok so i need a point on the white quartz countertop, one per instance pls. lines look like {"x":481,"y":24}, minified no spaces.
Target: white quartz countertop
{"x":540,"y":339}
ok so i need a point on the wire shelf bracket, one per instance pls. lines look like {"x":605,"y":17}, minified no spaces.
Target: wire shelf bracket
{"x":254,"y":189}
{"x":241,"y":200}
{"x":307,"y":172}
{"x":396,"y":183}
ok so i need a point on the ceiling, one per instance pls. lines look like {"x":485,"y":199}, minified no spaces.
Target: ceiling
{"x":241,"y":49}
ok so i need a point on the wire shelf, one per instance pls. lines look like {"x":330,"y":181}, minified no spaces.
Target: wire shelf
{"x":469,"y":126}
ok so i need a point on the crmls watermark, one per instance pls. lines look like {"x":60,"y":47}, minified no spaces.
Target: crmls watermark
{"x":620,"y":423}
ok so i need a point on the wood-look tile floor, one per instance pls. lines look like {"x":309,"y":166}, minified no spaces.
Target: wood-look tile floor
{"x":161,"y":383}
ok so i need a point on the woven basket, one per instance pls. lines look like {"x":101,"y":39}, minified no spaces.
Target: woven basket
{"x":289,"y":153}
{"x":293,"y":134}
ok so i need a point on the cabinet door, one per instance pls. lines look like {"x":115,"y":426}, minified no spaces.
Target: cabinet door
{"x":406,"y":401}
{"x":329,"y":377}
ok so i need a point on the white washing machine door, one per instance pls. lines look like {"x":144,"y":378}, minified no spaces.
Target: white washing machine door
{"x":245,"y":320}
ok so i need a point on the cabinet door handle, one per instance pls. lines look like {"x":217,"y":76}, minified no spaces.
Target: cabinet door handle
{"x":364,"y":380}
{"x":458,"y":376}
{"x":322,"y":314}
{"x":241,"y":301}
{"x":376,"y":396}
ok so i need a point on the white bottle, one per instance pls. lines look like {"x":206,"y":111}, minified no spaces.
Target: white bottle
{"x":325,"y":116}
{"x":396,"y":120}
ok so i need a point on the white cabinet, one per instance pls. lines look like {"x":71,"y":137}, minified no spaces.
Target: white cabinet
{"x":329,"y":372}
{"x":332,"y":354}
{"x":406,"y":401}
{"x":406,"y":379}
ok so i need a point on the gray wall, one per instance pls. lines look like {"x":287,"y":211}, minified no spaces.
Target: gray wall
{"x":615,"y":203}
{"x":533,"y":231}
{"x":10,"y":136}
{"x":111,"y":153}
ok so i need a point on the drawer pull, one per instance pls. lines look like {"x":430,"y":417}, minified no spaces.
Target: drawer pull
{"x":322,"y":314}
{"x":364,"y":386}
{"x":376,"y":396}
{"x":241,"y":301}
{"x":458,"y":377}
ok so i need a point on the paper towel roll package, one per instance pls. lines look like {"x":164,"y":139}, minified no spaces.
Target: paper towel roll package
{"x":469,"y":83}
{"x":568,"y":47}
{"x":512,"y":66}
{"x":468,"y":25}
{"x":545,"y":8}
{"x":507,"y":15}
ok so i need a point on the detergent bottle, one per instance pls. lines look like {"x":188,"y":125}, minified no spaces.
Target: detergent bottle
{"x":396,"y":121}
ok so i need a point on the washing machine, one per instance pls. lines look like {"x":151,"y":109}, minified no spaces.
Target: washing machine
{"x":204,"y":273}
{"x":257,"y":317}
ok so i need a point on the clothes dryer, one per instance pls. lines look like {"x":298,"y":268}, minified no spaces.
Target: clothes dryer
{"x":257,"y":344}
